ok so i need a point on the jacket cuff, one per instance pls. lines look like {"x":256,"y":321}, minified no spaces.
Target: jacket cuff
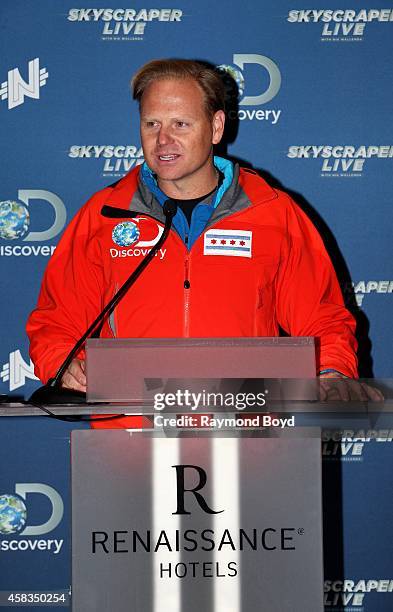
{"x":332,"y":371}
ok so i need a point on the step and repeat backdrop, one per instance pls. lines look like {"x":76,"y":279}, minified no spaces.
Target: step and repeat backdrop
{"x":311,"y":112}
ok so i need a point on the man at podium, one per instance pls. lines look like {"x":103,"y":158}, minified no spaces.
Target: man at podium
{"x":242,"y":259}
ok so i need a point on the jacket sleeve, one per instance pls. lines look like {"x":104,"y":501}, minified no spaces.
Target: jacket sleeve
{"x":309,"y":299}
{"x":71,"y":297}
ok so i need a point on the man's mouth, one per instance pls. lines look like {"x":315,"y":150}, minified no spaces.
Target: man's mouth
{"x":168,"y":157}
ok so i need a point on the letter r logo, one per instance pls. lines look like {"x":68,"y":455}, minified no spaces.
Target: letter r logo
{"x":181,"y":489}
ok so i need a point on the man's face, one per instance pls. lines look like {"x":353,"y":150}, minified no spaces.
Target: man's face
{"x":177,"y":134}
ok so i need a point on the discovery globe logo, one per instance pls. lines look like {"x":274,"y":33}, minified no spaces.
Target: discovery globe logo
{"x":15,"y":220}
{"x":264,"y":88}
{"x":13,"y":514}
{"x":126,"y":233}
{"x":236,"y":75}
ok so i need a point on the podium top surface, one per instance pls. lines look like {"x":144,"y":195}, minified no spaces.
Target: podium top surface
{"x":120,"y":370}
{"x":195,"y":342}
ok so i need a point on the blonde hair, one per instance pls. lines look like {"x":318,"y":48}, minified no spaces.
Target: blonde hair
{"x":208,"y":80}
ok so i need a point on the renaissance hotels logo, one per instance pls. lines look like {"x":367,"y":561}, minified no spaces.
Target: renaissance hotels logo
{"x":117,"y":159}
{"x":17,"y":216}
{"x":341,"y":160}
{"x":15,"y":510}
{"x":227,"y":541}
{"x":120,"y":24}
{"x":340,"y":25}
{"x":258,"y":81}
{"x":15,"y":89}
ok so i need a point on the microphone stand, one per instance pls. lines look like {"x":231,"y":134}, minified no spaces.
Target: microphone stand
{"x":52,"y":392}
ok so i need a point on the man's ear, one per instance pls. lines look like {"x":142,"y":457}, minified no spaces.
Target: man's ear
{"x":218,"y":123}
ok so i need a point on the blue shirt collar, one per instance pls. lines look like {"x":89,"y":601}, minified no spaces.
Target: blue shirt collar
{"x":202,"y":212}
{"x":224,"y":165}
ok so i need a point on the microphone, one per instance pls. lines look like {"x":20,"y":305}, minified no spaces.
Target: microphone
{"x":170,"y":209}
{"x":52,"y":392}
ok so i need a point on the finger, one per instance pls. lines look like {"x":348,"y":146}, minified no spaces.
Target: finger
{"x":335,"y":394}
{"x":343,"y":390}
{"x":356,"y":391}
{"x":362,"y":392}
{"x":331,"y":383}
{"x":336,"y":389}
{"x":70,"y":382}
{"x":372,"y":393}
{"x":76,"y":371}
{"x":322,"y":392}
{"x":329,"y":390}
{"x":331,"y":393}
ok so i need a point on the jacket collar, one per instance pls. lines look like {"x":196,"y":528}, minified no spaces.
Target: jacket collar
{"x":132,"y":192}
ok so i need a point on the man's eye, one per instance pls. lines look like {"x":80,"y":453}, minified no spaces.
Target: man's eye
{"x":181,"y":124}
{"x":151,"y":124}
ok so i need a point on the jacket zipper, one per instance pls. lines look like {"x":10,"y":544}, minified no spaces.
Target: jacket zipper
{"x":111,"y":318}
{"x":186,"y":294}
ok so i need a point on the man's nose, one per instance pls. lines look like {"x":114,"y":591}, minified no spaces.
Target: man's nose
{"x":164,"y":136}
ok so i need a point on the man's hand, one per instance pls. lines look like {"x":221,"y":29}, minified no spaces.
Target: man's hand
{"x":336,"y":387}
{"x":74,"y":377}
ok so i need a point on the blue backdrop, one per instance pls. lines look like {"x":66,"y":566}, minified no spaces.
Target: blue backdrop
{"x":315,"y":92}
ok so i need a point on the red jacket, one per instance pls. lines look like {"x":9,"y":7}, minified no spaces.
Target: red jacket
{"x":280,"y":275}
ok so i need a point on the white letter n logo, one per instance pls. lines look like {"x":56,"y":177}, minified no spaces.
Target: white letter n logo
{"x":16,"y":89}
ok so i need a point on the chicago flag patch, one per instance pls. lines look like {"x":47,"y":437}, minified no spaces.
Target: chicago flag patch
{"x":236,"y":243}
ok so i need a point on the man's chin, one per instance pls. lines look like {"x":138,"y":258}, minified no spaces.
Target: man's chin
{"x":168,"y":174}
{"x":166,"y":168}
